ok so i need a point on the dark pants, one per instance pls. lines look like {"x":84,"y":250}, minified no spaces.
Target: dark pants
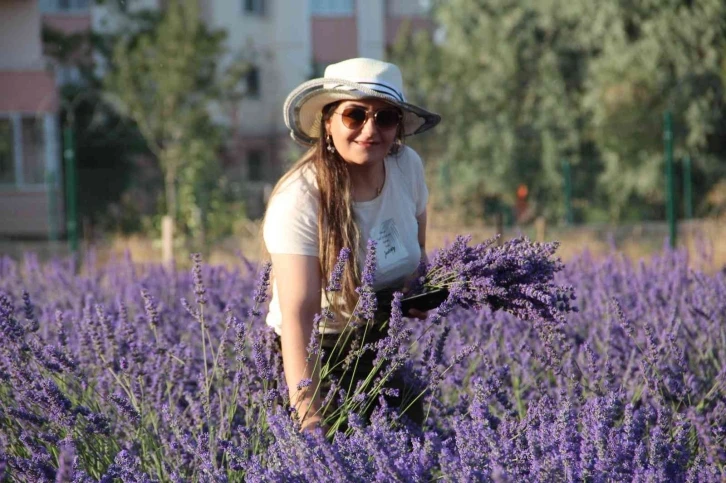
{"x":348,"y":372}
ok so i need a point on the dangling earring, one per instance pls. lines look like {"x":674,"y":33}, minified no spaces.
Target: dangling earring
{"x":395,"y":147}
{"x":329,"y":142}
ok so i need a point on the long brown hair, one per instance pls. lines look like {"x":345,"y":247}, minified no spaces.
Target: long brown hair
{"x":337,"y":228}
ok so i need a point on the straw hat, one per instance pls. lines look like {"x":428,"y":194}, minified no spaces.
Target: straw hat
{"x":351,"y":79}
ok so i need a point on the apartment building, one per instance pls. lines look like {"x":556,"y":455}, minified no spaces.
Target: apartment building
{"x":30,"y":169}
{"x":291,"y":41}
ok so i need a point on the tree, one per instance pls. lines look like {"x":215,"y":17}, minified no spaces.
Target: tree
{"x":655,"y":56}
{"x":165,"y":76}
{"x":524,"y":84}
{"x":105,"y":143}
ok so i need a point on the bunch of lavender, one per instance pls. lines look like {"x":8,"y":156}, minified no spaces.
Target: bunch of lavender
{"x":517,"y":277}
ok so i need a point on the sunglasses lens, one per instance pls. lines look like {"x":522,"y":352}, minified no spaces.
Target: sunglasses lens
{"x":354,"y":117}
{"x":387,"y":118}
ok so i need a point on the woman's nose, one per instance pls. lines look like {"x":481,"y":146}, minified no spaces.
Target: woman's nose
{"x":370,"y":127}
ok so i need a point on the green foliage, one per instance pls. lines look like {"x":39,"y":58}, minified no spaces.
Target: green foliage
{"x":165,"y":74}
{"x":105,"y":143}
{"x":524,"y":84}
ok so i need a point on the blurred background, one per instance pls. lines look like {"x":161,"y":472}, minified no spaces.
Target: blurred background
{"x":156,"y":126}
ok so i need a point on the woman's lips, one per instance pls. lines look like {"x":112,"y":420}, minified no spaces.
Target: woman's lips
{"x":366,"y":144}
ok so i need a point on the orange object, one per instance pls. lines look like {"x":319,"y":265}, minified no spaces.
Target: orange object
{"x":522,"y":192}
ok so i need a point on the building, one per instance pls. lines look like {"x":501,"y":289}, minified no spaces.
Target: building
{"x":292,"y":41}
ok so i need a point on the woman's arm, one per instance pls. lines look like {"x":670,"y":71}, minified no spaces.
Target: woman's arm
{"x":298,"y":280}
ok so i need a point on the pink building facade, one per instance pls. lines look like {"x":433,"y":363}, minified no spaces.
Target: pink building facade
{"x":31,"y":174}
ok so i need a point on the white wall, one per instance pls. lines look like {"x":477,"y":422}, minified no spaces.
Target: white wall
{"x":371,"y":34}
{"x":293,"y":46}
{"x":20,"y":40}
{"x":278,"y":43}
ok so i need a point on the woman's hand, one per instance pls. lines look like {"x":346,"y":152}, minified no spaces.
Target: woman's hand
{"x":312,"y":423}
{"x":407,"y":284}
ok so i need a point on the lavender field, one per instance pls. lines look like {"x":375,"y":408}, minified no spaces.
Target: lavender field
{"x":133,"y":372}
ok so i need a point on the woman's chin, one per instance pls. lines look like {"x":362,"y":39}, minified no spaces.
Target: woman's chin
{"x":365,"y":156}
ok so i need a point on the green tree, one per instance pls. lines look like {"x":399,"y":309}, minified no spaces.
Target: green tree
{"x":105,"y":143}
{"x":653,"y":57}
{"x":165,"y":76}
{"x":508,"y":83}
{"x":524,"y":84}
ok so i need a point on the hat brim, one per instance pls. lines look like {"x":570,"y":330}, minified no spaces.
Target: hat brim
{"x":303,"y":108}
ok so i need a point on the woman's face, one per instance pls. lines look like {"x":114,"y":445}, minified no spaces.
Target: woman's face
{"x":366,"y":143}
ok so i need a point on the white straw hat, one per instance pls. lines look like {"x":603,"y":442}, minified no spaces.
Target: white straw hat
{"x":351,"y":79}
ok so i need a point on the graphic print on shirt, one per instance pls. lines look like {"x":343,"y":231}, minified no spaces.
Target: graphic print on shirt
{"x":390,"y":250}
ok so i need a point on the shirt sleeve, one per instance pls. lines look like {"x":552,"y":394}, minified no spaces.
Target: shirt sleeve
{"x":421,"y":191}
{"x":291,"y":223}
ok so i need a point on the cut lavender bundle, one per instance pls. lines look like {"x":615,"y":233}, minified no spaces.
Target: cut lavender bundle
{"x":517,"y":277}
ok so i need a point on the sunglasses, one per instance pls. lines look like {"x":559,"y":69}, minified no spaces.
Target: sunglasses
{"x":355,"y":117}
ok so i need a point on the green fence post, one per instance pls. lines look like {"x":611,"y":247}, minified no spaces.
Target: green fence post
{"x":687,"y":188}
{"x":69,"y":156}
{"x":567,"y":175}
{"x":50,"y":183}
{"x":670,"y":195}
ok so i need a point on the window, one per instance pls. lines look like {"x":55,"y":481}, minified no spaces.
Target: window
{"x":53,"y":6}
{"x":67,"y":74}
{"x":333,"y":8}
{"x":254,"y":7}
{"x":253,"y":83}
{"x":255,"y":167}
{"x":7,"y":153}
{"x":33,"y":151}
{"x":408,"y":8}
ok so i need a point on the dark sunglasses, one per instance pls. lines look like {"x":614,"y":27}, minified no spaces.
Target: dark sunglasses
{"x":355,"y":117}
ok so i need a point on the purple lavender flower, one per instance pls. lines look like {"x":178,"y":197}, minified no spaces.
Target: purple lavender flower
{"x":337,"y":274}
{"x":367,"y":303}
{"x":259,"y":296}
{"x":647,"y":404}
{"x":199,"y":289}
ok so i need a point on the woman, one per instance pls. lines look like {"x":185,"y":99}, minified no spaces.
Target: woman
{"x":357,"y":182}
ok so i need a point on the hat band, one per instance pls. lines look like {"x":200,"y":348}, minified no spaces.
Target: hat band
{"x":379,"y":87}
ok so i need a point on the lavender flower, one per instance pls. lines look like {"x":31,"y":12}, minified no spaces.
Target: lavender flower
{"x":367,"y":303}
{"x":648,"y":404}
{"x":199,"y":289}
{"x":259,"y":296}
{"x":337,"y":274}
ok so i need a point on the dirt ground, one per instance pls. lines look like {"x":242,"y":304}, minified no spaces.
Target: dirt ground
{"x":705,"y":241}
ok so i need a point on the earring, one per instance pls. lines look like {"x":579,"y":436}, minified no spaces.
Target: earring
{"x":329,"y":142}
{"x":395,"y":147}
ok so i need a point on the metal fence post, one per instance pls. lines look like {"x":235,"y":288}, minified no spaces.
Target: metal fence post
{"x":69,"y":156}
{"x":670,"y":195}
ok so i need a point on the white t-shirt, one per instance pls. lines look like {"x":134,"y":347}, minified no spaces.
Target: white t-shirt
{"x":291,"y":224}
